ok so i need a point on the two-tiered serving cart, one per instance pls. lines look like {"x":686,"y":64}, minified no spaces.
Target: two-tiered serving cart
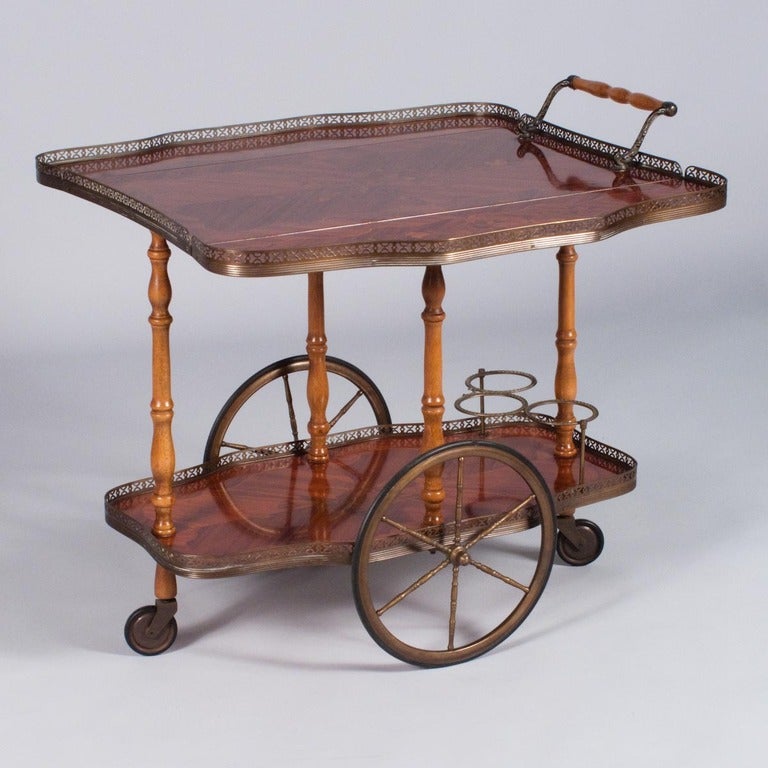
{"x":423,"y":187}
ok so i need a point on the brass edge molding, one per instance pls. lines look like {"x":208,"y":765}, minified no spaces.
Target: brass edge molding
{"x":310,"y":553}
{"x":430,"y":252}
{"x":55,"y":169}
{"x":399,"y":434}
{"x":371,"y":122}
{"x":211,"y":566}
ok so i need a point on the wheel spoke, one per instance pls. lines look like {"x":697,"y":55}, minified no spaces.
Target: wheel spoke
{"x":345,"y":408}
{"x":291,"y":411}
{"x":236,"y":446}
{"x":280,"y":379}
{"x":418,"y":536}
{"x":515,"y":497}
{"x":459,"y":502}
{"x":420,"y":582}
{"x":456,"y":542}
{"x":493,"y":572}
{"x":503,"y":519}
{"x":454,"y":601}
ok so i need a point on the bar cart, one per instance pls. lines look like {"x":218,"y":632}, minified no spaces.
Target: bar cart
{"x":424,"y":187}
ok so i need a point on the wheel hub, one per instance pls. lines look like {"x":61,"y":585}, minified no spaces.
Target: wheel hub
{"x":458,"y":555}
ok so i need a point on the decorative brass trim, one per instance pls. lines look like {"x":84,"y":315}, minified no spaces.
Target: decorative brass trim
{"x":621,"y":157}
{"x":459,"y":250}
{"x":59,"y":169}
{"x":310,"y":553}
{"x":703,"y":176}
{"x":291,"y":130}
{"x":599,"y":152}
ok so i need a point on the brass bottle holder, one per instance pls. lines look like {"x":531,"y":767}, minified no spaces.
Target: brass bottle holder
{"x":478,"y":391}
{"x":476,"y":384}
{"x":530,"y":412}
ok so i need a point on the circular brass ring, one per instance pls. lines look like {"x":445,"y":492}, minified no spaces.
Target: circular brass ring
{"x":522,"y":408}
{"x":543,"y":418}
{"x":482,"y":374}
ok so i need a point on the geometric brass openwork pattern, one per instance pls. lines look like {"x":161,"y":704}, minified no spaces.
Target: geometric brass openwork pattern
{"x":64,"y":169}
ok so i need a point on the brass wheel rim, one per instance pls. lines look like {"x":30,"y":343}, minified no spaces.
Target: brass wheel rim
{"x":364,"y":389}
{"x":284,"y":369}
{"x":383,"y":536}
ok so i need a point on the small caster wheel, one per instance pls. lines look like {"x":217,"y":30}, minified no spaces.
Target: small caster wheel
{"x":589,"y":547}
{"x":149,"y":640}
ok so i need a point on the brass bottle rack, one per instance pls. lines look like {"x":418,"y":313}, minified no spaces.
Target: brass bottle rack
{"x":476,"y":384}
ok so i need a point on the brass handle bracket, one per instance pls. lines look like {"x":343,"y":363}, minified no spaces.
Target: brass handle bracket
{"x":529,"y":124}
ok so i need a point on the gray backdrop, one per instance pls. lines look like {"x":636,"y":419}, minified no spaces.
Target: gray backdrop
{"x":653,"y":656}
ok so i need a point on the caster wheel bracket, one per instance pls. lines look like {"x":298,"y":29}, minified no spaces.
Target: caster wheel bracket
{"x":568,"y":529}
{"x":165,"y":611}
{"x":579,"y":542}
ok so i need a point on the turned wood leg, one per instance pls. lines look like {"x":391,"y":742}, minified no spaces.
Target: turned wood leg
{"x":565,"y":375}
{"x":319,"y":490}
{"x":162,"y":457}
{"x":165,"y":583}
{"x":433,"y":400}
{"x":317,"y":381}
{"x":317,"y":398}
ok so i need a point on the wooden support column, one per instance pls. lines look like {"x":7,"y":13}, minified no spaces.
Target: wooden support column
{"x":319,"y":490}
{"x":162,"y":457}
{"x":317,"y":381}
{"x":165,"y":583}
{"x":433,"y":400}
{"x":317,"y":399}
{"x":565,"y":341}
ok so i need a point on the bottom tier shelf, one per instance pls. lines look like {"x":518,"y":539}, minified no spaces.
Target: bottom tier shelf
{"x":269,"y":508}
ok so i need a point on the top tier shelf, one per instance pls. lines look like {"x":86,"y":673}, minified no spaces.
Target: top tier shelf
{"x":427,"y":185}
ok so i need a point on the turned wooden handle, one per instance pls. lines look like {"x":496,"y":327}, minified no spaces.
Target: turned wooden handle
{"x":621,"y":95}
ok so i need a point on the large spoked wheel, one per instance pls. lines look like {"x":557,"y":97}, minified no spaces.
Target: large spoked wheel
{"x":355,"y":401}
{"x":463,"y":588}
